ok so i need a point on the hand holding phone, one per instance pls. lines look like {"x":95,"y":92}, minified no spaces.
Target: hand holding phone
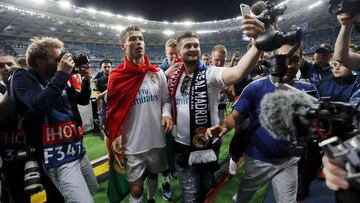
{"x":245,"y":10}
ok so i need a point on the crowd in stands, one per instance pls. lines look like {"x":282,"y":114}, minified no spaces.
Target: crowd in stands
{"x":17,"y":47}
{"x":143,"y":108}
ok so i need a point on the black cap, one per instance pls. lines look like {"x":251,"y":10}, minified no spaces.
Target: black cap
{"x":324,"y":48}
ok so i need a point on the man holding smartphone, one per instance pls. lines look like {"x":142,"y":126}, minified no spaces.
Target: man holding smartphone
{"x":193,"y":89}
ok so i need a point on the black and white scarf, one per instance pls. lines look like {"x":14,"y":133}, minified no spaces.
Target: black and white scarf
{"x":200,"y":120}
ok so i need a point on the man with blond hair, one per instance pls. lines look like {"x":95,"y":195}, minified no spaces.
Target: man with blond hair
{"x":171,"y":53}
{"x":47,"y":98}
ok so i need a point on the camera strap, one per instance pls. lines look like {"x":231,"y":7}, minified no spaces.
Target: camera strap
{"x":11,"y":93}
{"x":2,"y":88}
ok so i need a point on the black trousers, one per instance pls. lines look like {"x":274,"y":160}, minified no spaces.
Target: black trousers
{"x":309,"y":166}
{"x":238,"y":144}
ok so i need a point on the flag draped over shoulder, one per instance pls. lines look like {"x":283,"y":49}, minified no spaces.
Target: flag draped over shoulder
{"x":124,"y":83}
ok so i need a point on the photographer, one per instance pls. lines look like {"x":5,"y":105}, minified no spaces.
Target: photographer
{"x":338,"y":88}
{"x":6,"y":63}
{"x":336,"y":175}
{"x":11,"y":141}
{"x":12,"y":169}
{"x":47,"y":99}
{"x":266,"y":159}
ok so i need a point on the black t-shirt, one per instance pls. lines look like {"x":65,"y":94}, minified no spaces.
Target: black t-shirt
{"x":101,"y":84}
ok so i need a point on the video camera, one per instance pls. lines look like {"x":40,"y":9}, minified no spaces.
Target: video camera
{"x":346,"y":6}
{"x":79,"y":61}
{"x":272,"y":39}
{"x":266,"y":12}
{"x":341,"y":141}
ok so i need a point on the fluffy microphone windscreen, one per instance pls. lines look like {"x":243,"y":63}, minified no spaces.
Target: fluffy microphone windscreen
{"x":278,"y":111}
{"x":258,"y":7}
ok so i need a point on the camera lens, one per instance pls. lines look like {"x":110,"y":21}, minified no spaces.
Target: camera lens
{"x":32,"y":178}
{"x":81,"y":60}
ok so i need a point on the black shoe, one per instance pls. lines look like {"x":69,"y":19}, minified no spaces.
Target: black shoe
{"x":166,"y":193}
{"x":173,"y":175}
{"x":151,"y":201}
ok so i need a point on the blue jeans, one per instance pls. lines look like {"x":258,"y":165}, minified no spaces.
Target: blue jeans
{"x":195,"y":182}
{"x":75,"y":180}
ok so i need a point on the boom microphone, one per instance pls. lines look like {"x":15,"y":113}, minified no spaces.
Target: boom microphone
{"x":258,"y":7}
{"x":279,"y":110}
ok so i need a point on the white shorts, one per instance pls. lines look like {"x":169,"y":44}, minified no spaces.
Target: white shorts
{"x":153,"y":160}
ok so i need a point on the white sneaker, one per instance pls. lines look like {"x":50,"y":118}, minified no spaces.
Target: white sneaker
{"x":234,"y":198}
{"x":232,"y":167}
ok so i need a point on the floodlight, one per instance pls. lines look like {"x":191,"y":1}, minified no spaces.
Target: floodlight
{"x":11,"y":8}
{"x":282,"y":3}
{"x":92,"y":10}
{"x":118,"y":27}
{"x":318,"y":3}
{"x":130,"y":17}
{"x":187,"y":23}
{"x":168,"y":32}
{"x":206,"y":31}
{"x":65,"y":4}
{"x":106,"y":13}
{"x":39,"y":1}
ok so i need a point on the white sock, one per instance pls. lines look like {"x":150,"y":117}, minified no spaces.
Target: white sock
{"x":135,"y":200}
{"x":166,"y":179}
{"x":234,"y":198}
{"x":232,"y":167}
{"x":152,"y":186}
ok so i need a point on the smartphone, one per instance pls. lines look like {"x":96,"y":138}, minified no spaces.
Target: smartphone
{"x":245,"y":10}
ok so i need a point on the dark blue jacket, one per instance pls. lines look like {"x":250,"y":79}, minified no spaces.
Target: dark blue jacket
{"x":338,"y":89}
{"x":164,"y":65}
{"x":49,"y":104}
{"x":314,"y":73}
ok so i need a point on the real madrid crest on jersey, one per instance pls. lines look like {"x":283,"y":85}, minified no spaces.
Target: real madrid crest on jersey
{"x":153,"y":78}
